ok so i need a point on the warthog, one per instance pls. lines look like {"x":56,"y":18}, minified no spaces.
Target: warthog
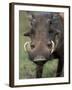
{"x":47,"y":40}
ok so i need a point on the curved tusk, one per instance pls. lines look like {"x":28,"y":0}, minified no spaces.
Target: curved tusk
{"x":25,"y":45}
{"x":53,"y":46}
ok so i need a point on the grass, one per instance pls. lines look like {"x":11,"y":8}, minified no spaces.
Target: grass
{"x":27,"y":69}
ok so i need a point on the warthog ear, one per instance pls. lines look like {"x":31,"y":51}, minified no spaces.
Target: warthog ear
{"x":27,"y":34}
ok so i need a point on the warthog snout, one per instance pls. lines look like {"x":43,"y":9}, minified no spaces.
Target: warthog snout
{"x":39,"y":52}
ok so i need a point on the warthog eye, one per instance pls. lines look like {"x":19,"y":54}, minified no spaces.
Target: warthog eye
{"x":32,"y":46}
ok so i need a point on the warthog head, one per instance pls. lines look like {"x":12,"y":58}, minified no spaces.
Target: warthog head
{"x":45,"y":34}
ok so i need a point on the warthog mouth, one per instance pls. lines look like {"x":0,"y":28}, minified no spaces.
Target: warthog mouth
{"x":39,"y":58}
